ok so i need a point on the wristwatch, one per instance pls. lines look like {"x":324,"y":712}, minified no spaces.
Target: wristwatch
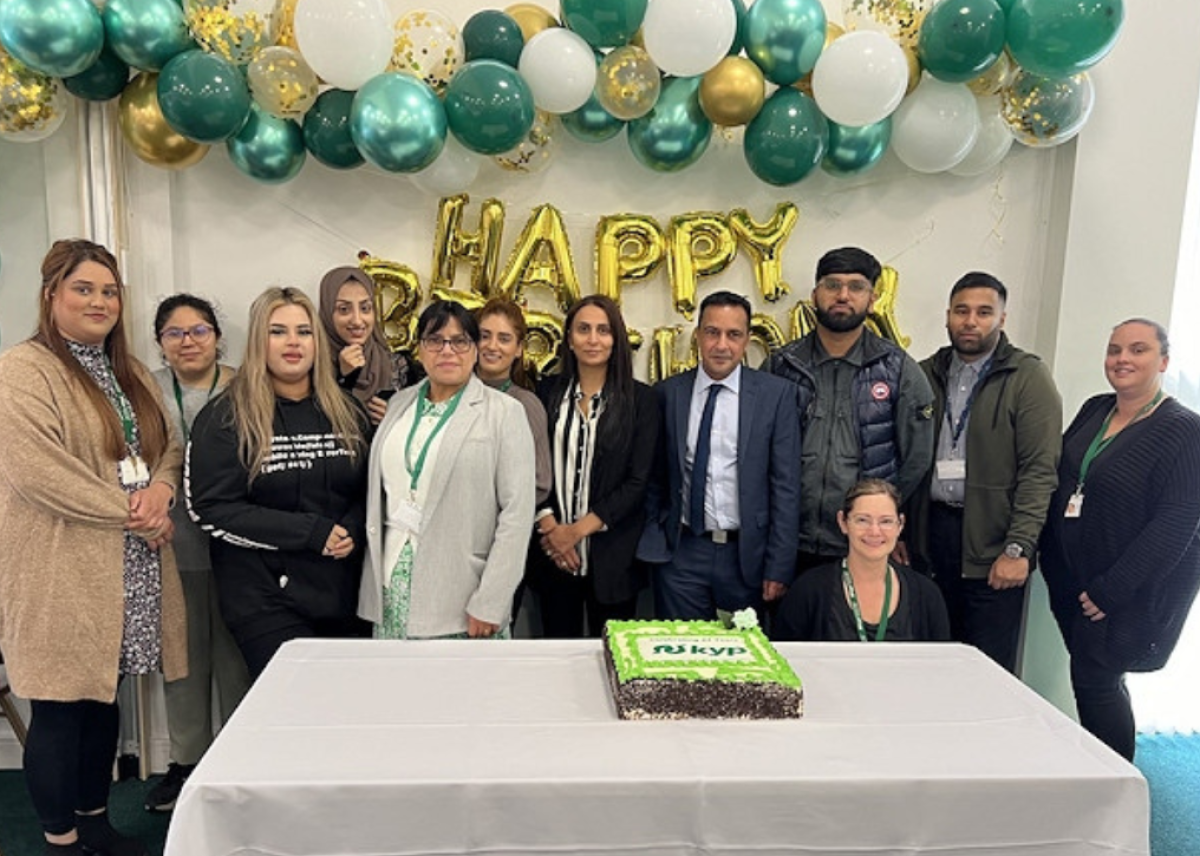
{"x":1014,"y":550}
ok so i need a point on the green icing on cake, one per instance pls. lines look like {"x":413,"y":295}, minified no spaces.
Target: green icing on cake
{"x":695,"y":651}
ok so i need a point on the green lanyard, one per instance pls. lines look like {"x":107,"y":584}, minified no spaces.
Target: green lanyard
{"x":504,"y":387}
{"x":121,"y":403}
{"x":187,"y":432}
{"x":881,"y":630}
{"x":1100,"y":442}
{"x":424,"y":405}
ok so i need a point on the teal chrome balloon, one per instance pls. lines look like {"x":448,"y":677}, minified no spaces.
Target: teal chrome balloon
{"x":591,"y":123}
{"x":489,"y":107}
{"x":1060,"y":38}
{"x":398,"y":123}
{"x":960,"y":40}
{"x":784,"y":37}
{"x":739,"y":9}
{"x":268,"y":149}
{"x":60,"y":38}
{"x":676,"y":132}
{"x":855,"y":150}
{"x":604,"y":23}
{"x":327,"y":130}
{"x":146,"y":33}
{"x":102,"y":80}
{"x":203,"y":97}
{"x":787,"y":139}
{"x":491,"y":34}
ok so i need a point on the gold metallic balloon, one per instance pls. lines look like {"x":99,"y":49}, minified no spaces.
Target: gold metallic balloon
{"x":628,"y":83}
{"x":32,"y":105}
{"x":234,"y":29}
{"x":732,"y":91}
{"x":541,"y":256}
{"x":147,"y":132}
{"x":699,"y":243}
{"x":531,"y":18}
{"x":914,"y":68}
{"x":832,"y":31}
{"x":543,"y":340}
{"x":662,"y":354}
{"x":764,"y":242}
{"x":766,"y":333}
{"x":452,"y":243}
{"x":429,"y":46}
{"x":883,"y":314}
{"x":282,"y":82}
{"x":534,"y":153}
{"x":283,"y":24}
{"x":397,"y":295}
{"x":997,"y":76}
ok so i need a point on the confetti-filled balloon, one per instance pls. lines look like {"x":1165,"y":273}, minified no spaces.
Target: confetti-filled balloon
{"x":628,"y":83}
{"x":282,"y":83}
{"x":32,"y":105}
{"x":235,"y":30}
{"x":899,"y":19}
{"x":534,"y":153}
{"x":283,"y":24}
{"x":429,"y":46}
{"x":1042,"y":112}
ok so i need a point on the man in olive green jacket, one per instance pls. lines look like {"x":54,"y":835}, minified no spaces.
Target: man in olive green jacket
{"x":974,"y":523}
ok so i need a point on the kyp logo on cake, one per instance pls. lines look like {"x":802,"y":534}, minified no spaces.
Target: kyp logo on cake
{"x":706,"y":649}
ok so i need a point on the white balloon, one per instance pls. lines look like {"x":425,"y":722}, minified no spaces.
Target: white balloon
{"x":993,"y":142}
{"x":860,"y":79}
{"x":936,"y":126}
{"x":688,"y":37}
{"x":560,"y":68}
{"x":455,"y":169}
{"x":346,"y":42}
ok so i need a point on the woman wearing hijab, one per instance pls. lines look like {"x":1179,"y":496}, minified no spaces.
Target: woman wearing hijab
{"x":364,"y":363}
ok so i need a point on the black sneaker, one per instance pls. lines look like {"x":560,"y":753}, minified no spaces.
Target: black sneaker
{"x":162,"y":796}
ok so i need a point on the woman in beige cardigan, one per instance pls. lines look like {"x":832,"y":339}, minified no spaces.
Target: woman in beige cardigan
{"x":88,"y":588}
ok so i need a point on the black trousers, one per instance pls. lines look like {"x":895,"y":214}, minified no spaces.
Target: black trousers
{"x":69,"y":757}
{"x":566,"y":600}
{"x":258,"y":644}
{"x":980,"y":615}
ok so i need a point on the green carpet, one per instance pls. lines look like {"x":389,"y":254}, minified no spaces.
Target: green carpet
{"x":1170,"y":764}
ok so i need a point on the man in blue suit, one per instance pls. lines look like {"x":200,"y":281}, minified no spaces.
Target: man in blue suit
{"x":724,"y":512}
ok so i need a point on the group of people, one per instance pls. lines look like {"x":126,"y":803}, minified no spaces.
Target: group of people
{"x":331,"y":487}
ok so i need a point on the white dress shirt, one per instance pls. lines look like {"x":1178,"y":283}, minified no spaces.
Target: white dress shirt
{"x":721,"y":488}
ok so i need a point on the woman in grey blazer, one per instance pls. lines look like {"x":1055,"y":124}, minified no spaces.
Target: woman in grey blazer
{"x":450,"y":496}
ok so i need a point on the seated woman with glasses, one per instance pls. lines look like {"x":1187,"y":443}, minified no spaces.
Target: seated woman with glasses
{"x":864,"y":597}
{"x":450,"y":496}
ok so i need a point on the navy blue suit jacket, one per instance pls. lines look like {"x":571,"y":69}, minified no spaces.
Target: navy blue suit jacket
{"x":768,"y":475}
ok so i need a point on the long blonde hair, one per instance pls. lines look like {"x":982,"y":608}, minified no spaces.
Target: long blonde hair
{"x":252,"y":396}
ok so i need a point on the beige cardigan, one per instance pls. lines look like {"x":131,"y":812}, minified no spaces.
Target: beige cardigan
{"x":62,"y":516}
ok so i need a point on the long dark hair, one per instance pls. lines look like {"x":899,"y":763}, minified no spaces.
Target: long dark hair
{"x":618,"y":381}
{"x":60,"y":262}
{"x":510,"y":312}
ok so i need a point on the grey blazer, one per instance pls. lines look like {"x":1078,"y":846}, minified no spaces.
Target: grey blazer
{"x":478,"y":516}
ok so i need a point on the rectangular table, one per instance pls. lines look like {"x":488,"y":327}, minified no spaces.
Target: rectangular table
{"x":416,"y":748}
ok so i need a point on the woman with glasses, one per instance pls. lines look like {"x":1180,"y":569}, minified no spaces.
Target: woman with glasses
{"x":603,"y":438}
{"x":1121,"y":547}
{"x":88,"y":588}
{"x":450,"y":496}
{"x":364,"y":363}
{"x":187,"y":331}
{"x":276,"y":475}
{"x":864,"y":597}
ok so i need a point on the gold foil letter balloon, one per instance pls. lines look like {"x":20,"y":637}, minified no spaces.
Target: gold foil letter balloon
{"x":662,"y":354}
{"x":629,"y":248}
{"x":764,"y":242}
{"x":481,"y":249}
{"x":698,"y":244}
{"x":883,"y":313}
{"x":541,"y":256}
{"x":766,"y":333}
{"x":397,"y":296}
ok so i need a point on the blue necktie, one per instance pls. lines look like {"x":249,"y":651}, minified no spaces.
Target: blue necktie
{"x":695,"y":518}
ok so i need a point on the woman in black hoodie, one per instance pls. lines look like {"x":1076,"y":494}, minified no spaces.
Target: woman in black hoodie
{"x":276,"y":474}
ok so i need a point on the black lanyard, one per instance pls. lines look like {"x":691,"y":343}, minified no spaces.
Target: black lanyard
{"x":957,"y":428}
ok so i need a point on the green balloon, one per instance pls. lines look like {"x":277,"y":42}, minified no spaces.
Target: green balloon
{"x":784,"y":37}
{"x":493,"y":35}
{"x":855,"y":150}
{"x":203,"y":97}
{"x":489,"y":106}
{"x":398,"y":123}
{"x":676,"y":132}
{"x":60,"y":38}
{"x":102,"y":80}
{"x":1060,"y":38}
{"x":604,"y":23}
{"x":267,"y":148}
{"x":591,"y":123}
{"x":146,"y":33}
{"x":787,"y":139}
{"x":327,"y":130}
{"x":960,"y":40}
{"x":739,"y":38}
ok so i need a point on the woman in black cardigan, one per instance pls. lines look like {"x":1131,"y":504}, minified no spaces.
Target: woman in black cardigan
{"x":603,"y":433}
{"x":1121,"y":547}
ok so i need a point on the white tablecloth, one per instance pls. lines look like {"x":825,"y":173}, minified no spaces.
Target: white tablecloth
{"x":512,"y":748}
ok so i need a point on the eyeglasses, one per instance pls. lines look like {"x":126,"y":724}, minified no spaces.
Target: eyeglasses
{"x":862,"y":521}
{"x":200,"y":333}
{"x":458,"y":344}
{"x":857,"y":286}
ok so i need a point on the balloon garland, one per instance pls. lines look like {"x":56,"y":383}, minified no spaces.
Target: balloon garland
{"x":939,"y":83}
